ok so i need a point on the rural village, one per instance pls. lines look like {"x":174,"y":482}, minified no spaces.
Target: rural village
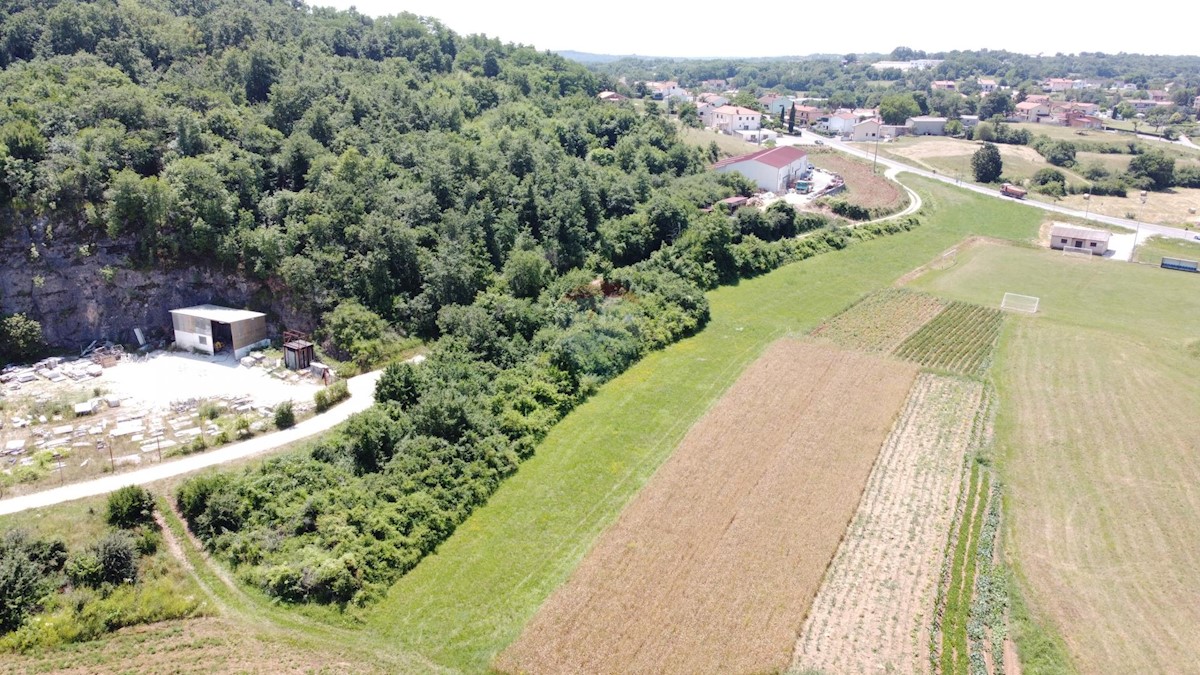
{"x":338,"y":343}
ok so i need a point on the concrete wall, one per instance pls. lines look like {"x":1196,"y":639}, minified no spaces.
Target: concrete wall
{"x":193,"y":342}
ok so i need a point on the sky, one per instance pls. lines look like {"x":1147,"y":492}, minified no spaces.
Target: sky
{"x":698,"y":29}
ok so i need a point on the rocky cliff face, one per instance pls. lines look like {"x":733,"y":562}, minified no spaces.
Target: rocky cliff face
{"x":85,"y":291}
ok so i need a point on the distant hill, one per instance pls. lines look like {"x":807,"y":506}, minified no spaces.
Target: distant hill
{"x":588,"y":57}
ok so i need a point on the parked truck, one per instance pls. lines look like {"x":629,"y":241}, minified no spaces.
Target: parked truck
{"x":1010,"y":190}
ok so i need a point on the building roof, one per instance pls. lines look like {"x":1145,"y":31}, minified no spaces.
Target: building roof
{"x":735,"y":110}
{"x":927,"y":118}
{"x":985,"y":80}
{"x":777,"y":157}
{"x":844,"y":116}
{"x":218,"y":313}
{"x":868,"y":121}
{"x":814,"y":109}
{"x":1029,"y":105}
{"x":1076,"y":232}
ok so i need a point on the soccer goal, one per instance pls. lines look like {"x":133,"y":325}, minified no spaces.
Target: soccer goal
{"x":1077,"y":251}
{"x":1020,"y":303}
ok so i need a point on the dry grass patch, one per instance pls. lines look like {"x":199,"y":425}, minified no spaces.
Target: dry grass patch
{"x":864,"y":188}
{"x":882,"y":320}
{"x":875,"y":607}
{"x":713,"y":565}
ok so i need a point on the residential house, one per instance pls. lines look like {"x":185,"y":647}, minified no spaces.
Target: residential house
{"x":776,"y":105}
{"x":715,"y":99}
{"x":926,"y":125}
{"x":1144,"y":105}
{"x":969,"y":121}
{"x":864,"y":113}
{"x":756,"y":136}
{"x":661,"y":91}
{"x":807,"y":114}
{"x":867,"y":130}
{"x":1038,"y":98}
{"x":1063,"y":236}
{"x":841,"y":123}
{"x":944,"y":85}
{"x":1032,"y":111}
{"x":986,"y":86}
{"x":610,"y":97}
{"x":1058,"y":84}
{"x":731,"y":118}
{"x":773,"y":169}
{"x":713,"y":85}
{"x":1158,"y":95}
{"x":706,"y":104}
{"x":1079,"y":120}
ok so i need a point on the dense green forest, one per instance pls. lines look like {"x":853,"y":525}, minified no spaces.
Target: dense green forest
{"x":393,"y":178}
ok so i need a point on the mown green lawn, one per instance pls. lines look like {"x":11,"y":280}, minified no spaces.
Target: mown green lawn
{"x":465,"y":603}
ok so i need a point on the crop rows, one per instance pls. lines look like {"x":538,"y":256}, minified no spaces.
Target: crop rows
{"x":881,"y":321}
{"x":959,"y":340}
{"x":873,"y":612}
{"x":954,"y":653}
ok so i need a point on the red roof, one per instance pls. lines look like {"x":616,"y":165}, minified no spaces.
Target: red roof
{"x":776,"y":157}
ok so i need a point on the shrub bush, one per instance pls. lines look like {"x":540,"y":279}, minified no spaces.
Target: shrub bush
{"x":285,"y":415}
{"x":130,"y":507}
{"x":332,"y":395}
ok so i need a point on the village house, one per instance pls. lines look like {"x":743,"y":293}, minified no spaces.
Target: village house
{"x":926,"y":125}
{"x":841,"y":123}
{"x":1080,"y":120}
{"x":1032,"y":111}
{"x":661,"y":91}
{"x":864,"y":113}
{"x":867,"y":130}
{"x":1058,"y":84}
{"x":1038,"y":98}
{"x":944,"y":85}
{"x":807,"y":115}
{"x":1145,"y":105}
{"x":730,"y":118}
{"x":915,"y":64}
{"x":706,"y":104}
{"x":986,"y":86}
{"x":773,"y":169}
{"x":1157,"y":95}
{"x":610,"y":97}
{"x":713,"y":85}
{"x":1063,"y":236}
{"x":775,"y":105}
{"x":969,"y":121}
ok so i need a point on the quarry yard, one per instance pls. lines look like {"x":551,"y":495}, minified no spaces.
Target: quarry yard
{"x":63,"y":424}
{"x":714,"y":564}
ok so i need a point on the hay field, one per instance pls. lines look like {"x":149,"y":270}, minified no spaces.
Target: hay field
{"x":875,"y":608}
{"x":1096,"y":435}
{"x":881,"y":321}
{"x":713,"y":565}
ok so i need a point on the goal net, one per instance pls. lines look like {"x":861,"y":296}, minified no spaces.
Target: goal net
{"x":1077,"y":251}
{"x":1020,"y":303}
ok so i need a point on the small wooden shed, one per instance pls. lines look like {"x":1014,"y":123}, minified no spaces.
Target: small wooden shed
{"x":298,"y":354}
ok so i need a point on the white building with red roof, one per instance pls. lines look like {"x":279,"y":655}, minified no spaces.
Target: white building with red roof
{"x":773,"y":169}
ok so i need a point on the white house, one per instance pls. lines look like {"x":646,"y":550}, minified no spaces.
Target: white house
{"x":1032,"y":111}
{"x":772,"y":169}
{"x":731,"y":118}
{"x":775,"y":104}
{"x":841,"y":123}
{"x":867,"y":130}
{"x":665,"y":90}
{"x":926,"y":125}
{"x":986,"y":85}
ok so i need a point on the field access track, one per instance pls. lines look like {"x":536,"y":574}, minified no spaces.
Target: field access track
{"x":712,"y":567}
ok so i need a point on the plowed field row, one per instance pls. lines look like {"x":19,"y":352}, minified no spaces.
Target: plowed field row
{"x":875,"y":607}
{"x":881,"y":321}
{"x":960,"y":339}
{"x":713,"y":566}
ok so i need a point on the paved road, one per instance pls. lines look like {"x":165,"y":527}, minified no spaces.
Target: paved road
{"x":362,"y":395}
{"x":893,"y":167}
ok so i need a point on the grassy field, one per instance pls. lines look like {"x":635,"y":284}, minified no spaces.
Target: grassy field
{"x":730,"y":146}
{"x":1096,"y":442}
{"x":1154,"y":249}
